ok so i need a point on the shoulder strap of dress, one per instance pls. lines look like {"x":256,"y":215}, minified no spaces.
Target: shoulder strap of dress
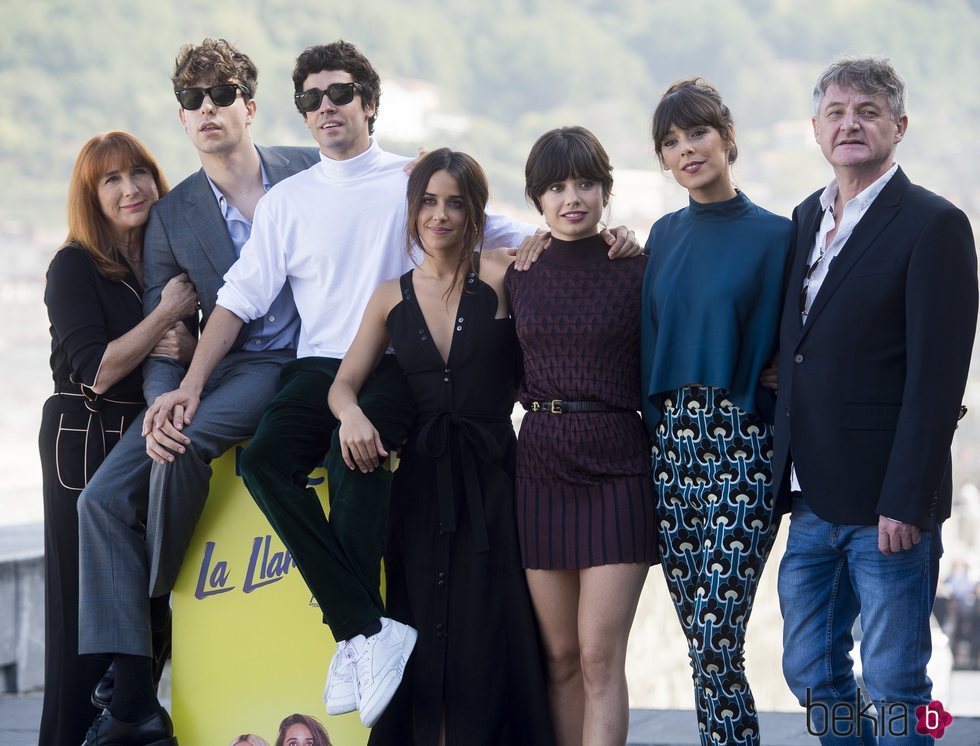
{"x":405,"y":281}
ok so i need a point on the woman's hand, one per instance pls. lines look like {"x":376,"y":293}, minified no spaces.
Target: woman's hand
{"x":179,"y":298}
{"x":360,"y":442}
{"x":177,"y":343}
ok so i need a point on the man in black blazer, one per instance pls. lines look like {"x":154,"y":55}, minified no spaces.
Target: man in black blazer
{"x":875,"y":341}
{"x":138,"y":513}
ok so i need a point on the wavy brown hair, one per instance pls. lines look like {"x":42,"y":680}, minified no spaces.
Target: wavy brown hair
{"x":473,"y":189}
{"x":214,"y":61}
{"x":88,"y":227}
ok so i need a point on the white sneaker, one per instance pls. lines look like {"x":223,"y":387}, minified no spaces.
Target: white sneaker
{"x":379,"y":662}
{"x":340,"y":692}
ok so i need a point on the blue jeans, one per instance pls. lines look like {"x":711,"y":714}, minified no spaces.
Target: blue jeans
{"x":829,"y":575}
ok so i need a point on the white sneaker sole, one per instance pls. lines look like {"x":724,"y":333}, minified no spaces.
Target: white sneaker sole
{"x":339,"y":697}
{"x":373,"y":708}
{"x":342,"y":705}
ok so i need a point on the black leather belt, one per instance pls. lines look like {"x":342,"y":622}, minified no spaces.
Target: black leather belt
{"x":560,"y":406}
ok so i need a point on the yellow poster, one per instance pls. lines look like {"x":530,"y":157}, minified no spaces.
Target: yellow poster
{"x":249,"y":644}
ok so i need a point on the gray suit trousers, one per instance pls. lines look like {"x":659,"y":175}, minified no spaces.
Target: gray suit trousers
{"x":136,"y":517}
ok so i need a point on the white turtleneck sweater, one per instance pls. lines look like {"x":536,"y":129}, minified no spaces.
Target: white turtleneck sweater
{"x":335,"y":231}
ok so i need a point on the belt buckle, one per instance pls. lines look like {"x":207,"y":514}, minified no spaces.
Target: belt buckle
{"x":556,"y":406}
{"x":535,"y":406}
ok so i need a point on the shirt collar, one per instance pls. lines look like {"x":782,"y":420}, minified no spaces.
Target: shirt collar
{"x":863,"y":199}
{"x":223,"y":205}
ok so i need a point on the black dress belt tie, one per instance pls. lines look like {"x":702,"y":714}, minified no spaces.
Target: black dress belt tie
{"x":475,"y":442}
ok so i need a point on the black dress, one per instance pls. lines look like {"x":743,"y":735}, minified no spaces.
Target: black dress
{"x":453,"y":561}
{"x":78,"y":428}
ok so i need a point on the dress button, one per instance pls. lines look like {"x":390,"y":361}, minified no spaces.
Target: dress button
{"x":459,"y":328}
{"x":272,"y":319}
{"x":786,"y":411}
{"x":798,"y":358}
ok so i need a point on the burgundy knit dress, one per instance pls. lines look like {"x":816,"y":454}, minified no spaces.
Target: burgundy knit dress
{"x":584,"y":494}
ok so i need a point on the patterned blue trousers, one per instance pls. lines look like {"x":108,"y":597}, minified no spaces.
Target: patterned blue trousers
{"x":711,"y":469}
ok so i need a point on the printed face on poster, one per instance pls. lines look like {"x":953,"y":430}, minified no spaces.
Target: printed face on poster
{"x":249,"y":645}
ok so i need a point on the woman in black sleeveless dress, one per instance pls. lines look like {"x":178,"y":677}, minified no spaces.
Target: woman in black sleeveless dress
{"x":453,"y":561}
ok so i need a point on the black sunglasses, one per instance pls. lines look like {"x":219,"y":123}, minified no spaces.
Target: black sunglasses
{"x":338,"y":93}
{"x":222,"y":95}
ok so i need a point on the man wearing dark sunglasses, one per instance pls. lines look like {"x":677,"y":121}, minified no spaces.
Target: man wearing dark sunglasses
{"x":198,"y":228}
{"x":332,"y":234}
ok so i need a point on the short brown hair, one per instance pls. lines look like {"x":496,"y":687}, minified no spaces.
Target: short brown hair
{"x":688,"y":103}
{"x":566,"y":153}
{"x":88,"y":226}
{"x":214,"y":60}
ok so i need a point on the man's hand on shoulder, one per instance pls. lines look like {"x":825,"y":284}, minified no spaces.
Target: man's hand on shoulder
{"x":895,"y":536}
{"x":530,"y":249}
{"x":622,"y":242}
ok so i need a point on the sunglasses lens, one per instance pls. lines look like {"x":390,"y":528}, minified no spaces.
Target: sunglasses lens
{"x":341,"y":93}
{"x":191,"y":98}
{"x":309,"y":100}
{"x":224,"y":95}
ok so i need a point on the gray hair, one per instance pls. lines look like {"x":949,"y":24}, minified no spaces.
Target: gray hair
{"x":872,"y":75}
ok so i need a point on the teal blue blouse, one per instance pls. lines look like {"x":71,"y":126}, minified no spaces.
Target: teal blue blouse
{"x":712,"y":295}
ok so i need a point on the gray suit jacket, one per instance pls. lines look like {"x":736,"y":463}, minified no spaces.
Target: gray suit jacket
{"x":187,"y":233}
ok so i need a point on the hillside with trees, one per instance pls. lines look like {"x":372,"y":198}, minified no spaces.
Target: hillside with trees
{"x":511,"y":68}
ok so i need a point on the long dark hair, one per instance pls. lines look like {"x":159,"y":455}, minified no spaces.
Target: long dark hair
{"x":475,"y":193}
{"x":320,"y":737}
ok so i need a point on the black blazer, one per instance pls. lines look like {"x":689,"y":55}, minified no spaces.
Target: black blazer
{"x":870,"y":386}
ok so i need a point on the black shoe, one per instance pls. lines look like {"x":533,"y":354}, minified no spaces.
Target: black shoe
{"x":156,"y":730}
{"x":101,"y":696}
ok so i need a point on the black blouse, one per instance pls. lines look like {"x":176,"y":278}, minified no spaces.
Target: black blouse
{"x":87,"y":311}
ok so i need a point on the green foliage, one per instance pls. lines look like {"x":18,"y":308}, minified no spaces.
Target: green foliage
{"x":515,"y":68}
